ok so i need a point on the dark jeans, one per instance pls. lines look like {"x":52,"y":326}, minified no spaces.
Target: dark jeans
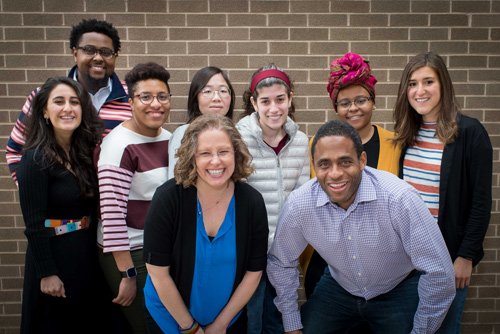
{"x":331,"y":309}
{"x":452,"y":323}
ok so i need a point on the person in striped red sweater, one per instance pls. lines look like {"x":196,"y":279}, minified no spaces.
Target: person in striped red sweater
{"x":133,"y":162}
{"x":448,"y":158}
{"x":94,"y":45}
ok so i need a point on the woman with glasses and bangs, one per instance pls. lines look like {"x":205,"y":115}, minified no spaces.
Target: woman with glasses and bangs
{"x":205,"y":237}
{"x":281,"y":157}
{"x":132,"y":163}
{"x":351,"y":87}
{"x":210,"y":93}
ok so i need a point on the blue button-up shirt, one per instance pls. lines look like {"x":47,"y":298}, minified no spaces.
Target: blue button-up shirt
{"x":370,"y":247}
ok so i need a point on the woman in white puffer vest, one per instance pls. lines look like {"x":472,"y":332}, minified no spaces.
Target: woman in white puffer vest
{"x":281,"y":157}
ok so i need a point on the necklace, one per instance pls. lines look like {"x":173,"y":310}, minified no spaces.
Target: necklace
{"x":200,"y":211}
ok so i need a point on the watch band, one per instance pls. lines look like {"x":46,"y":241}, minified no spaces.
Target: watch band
{"x":129,"y":273}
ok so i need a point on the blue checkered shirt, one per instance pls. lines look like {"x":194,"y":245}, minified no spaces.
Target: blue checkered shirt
{"x":370,"y":247}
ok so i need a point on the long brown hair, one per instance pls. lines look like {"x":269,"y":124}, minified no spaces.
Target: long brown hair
{"x":84,"y":139}
{"x":407,"y":121}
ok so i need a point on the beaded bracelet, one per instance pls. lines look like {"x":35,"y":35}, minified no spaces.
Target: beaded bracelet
{"x":191,"y":330}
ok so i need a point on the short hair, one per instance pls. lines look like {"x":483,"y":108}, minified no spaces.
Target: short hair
{"x":248,"y":108}
{"x":185,"y":169}
{"x":143,"y":72}
{"x":338,"y":128}
{"x":407,"y":121}
{"x":94,"y":25}
{"x":200,"y":80}
{"x":40,"y":135}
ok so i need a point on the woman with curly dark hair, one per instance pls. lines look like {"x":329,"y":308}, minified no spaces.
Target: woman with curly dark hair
{"x":58,"y":196}
{"x":205,"y":236}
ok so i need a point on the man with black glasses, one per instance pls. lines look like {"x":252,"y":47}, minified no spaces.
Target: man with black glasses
{"x":95,"y":45}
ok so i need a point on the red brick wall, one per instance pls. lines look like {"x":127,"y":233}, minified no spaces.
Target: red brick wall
{"x":239,"y":36}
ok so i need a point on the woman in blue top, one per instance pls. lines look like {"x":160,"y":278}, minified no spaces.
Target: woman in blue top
{"x":205,"y":237}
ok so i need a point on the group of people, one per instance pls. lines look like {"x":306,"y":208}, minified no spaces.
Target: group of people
{"x":133,"y":229}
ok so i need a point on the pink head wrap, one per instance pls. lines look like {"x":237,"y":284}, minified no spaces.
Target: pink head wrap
{"x":351,"y":69}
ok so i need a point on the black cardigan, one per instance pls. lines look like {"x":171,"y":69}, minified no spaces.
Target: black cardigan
{"x":465,"y":190}
{"x":170,"y":233}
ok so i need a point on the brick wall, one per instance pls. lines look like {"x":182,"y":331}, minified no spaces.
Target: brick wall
{"x":239,"y":36}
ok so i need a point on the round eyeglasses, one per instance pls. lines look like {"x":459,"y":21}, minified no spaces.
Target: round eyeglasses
{"x":359,"y":102}
{"x":92,"y":51}
{"x":146,"y":98}
{"x":224,"y":92}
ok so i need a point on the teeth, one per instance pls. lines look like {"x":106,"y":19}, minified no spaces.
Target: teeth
{"x":422,"y":100}
{"x":215,"y":171}
{"x":337,"y":185}
{"x":274,"y":117}
{"x":354,"y":117}
{"x":67,"y":117}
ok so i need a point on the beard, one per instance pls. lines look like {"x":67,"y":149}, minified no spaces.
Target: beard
{"x":96,"y":84}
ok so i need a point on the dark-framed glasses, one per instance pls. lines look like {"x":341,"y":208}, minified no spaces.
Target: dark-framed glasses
{"x":223,"y":154}
{"x":91,"y":51}
{"x":209,"y":92}
{"x":147,"y":98}
{"x":360,"y":102}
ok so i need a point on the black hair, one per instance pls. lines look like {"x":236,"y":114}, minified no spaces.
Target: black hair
{"x":338,"y":128}
{"x":146,"y":71}
{"x":200,"y":80}
{"x":93,"y":25}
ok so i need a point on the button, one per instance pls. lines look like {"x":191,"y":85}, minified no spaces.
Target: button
{"x":349,"y":237}
{"x":365,"y":289}
{"x":354,"y":257}
{"x":359,"y":274}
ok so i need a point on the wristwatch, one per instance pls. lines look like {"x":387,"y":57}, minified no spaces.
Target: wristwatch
{"x":129,"y":273}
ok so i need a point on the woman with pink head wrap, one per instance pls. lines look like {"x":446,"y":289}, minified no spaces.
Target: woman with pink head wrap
{"x":351,"y":87}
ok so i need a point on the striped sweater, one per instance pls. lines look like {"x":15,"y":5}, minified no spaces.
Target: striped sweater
{"x":422,"y":166}
{"x":130,"y":168}
{"x":115,"y":110}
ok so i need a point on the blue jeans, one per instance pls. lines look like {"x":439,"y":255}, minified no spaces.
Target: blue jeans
{"x":263,"y":316}
{"x":452,"y":322}
{"x":331,"y":309}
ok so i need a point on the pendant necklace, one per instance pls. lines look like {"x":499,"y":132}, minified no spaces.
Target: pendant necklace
{"x":200,"y":211}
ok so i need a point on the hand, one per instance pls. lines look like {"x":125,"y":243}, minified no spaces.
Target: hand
{"x":213,"y":328}
{"x":126,"y":292}
{"x":53,"y":286}
{"x":463,"y":272}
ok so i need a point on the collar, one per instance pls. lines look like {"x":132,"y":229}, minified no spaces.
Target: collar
{"x":117,"y":88}
{"x":109,"y":86}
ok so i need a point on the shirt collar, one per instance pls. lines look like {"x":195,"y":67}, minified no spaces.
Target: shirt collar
{"x":109,"y":87}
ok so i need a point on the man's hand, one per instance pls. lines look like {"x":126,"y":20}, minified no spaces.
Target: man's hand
{"x":126,"y":292}
{"x":463,"y":272}
{"x":53,"y":286}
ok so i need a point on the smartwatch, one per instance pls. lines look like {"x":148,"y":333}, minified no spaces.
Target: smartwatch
{"x":129,"y":273}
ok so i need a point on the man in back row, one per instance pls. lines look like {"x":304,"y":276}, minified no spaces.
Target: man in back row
{"x":95,"y":45}
{"x":388,"y":264}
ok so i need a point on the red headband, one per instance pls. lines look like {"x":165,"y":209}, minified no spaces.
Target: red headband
{"x":269,"y":74}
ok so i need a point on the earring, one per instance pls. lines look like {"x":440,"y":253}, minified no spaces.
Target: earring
{"x":374,"y":108}
{"x":47,"y":120}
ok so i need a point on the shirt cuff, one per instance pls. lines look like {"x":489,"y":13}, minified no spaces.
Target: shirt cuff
{"x":291,"y":321}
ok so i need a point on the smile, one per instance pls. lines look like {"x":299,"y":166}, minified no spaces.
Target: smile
{"x":337,"y":186}
{"x":422,"y":100}
{"x":215,"y":172}
{"x":67,"y":117}
{"x":274,"y":118}
{"x":353,"y":118}
{"x":155,"y":113}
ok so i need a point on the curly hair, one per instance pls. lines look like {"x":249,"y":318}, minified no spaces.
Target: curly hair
{"x":200,"y":79}
{"x":93,"y":25}
{"x":248,"y":108}
{"x":84,"y":139}
{"x":407,"y":121}
{"x":143,"y":72}
{"x":185,"y":169}
{"x":340,"y":129}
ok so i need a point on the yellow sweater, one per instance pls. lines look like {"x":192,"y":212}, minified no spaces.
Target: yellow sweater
{"x":388,"y":160}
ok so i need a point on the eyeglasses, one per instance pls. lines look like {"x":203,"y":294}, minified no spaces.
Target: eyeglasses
{"x":223,"y":92}
{"x":146,"y":98}
{"x":360,"y":102}
{"x":207,"y":156}
{"x":91,"y":51}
